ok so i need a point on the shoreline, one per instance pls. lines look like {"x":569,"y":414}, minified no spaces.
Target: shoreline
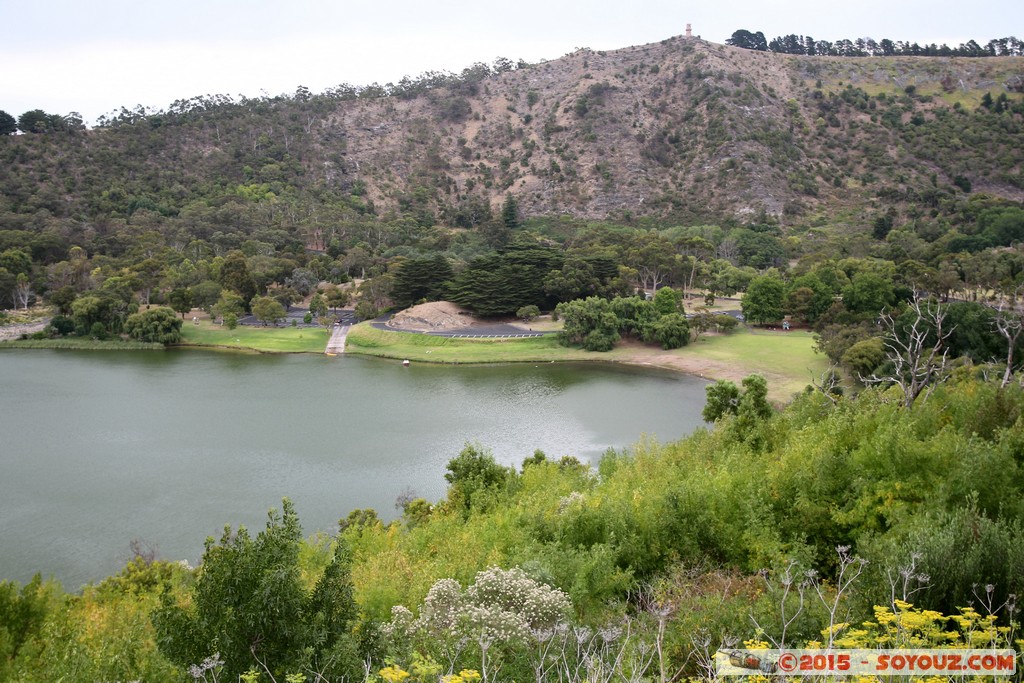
{"x":711,"y":357}
{"x":673,"y":364}
{"x":78,"y":344}
{"x":785,"y":359}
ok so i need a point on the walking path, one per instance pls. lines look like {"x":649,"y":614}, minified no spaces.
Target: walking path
{"x":15,"y":331}
{"x":336,"y":344}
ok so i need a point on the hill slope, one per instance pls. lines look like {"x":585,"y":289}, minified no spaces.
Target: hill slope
{"x":682,"y":131}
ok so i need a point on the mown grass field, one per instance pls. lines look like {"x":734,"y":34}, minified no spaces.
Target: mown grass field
{"x":369,"y":341}
{"x":788,"y":356}
{"x":262,"y":339}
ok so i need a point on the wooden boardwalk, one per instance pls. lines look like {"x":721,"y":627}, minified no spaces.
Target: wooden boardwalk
{"x":336,"y":344}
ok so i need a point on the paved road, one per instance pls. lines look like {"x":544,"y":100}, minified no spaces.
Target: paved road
{"x":495,"y":331}
{"x":344,"y":315}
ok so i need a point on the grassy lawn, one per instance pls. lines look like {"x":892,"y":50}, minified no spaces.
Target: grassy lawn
{"x":263,"y":339}
{"x":760,"y":349}
{"x":788,"y":359}
{"x":369,"y":341}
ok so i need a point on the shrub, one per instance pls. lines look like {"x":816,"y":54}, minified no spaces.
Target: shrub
{"x":365,"y":311}
{"x":672,"y":331}
{"x":472,"y":473}
{"x":251,"y":605}
{"x":62,"y":325}
{"x":528,"y":313}
{"x":158,"y":325}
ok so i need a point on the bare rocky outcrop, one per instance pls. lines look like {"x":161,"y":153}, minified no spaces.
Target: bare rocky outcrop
{"x":436,"y":316}
{"x":15,"y":331}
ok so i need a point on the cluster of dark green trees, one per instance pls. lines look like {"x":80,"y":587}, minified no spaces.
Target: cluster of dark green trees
{"x":524,"y":273}
{"x":100,"y":301}
{"x":38,"y":121}
{"x":597,"y":324}
{"x":793,"y":44}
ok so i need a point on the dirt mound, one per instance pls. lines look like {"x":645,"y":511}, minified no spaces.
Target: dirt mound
{"x":435,"y":316}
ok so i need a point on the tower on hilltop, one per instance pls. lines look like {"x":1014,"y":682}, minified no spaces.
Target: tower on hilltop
{"x":689,"y":31}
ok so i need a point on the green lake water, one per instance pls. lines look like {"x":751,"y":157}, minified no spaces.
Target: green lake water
{"x":100,"y":448}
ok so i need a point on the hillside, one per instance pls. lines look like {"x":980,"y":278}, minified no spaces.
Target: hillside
{"x":683,"y":131}
{"x":688,"y":131}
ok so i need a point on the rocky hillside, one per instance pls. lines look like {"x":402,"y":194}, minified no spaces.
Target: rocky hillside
{"x":690,"y":129}
{"x":683,"y":131}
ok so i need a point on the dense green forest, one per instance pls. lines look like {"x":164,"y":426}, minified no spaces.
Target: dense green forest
{"x":769,"y":527}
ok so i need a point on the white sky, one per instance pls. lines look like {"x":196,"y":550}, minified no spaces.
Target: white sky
{"x":95,"y":56}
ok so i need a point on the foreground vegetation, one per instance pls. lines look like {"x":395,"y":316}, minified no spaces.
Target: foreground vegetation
{"x":674,"y":549}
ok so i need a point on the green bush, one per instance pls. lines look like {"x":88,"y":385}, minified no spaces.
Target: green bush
{"x":158,"y":325}
{"x":474,"y":473}
{"x":528,"y":313}
{"x":672,"y":331}
{"x":62,"y":325}
{"x":251,"y":604}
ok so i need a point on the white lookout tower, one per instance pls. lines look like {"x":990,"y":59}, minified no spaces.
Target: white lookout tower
{"x":689,"y":31}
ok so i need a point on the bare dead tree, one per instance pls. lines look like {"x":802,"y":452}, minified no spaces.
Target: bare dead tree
{"x":850,"y":569}
{"x":784,"y":587}
{"x":905,"y":581}
{"x":1010,"y":324}
{"x":142,"y":551}
{"x":917,"y":352}
{"x":830,"y":384}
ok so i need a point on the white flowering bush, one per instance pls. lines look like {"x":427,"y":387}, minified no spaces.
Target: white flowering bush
{"x":400,"y":628}
{"x":567,"y":502}
{"x":490,"y":624}
{"x":441,"y":608}
{"x":501,"y":605}
{"x":508,"y":626}
{"x":536,"y":605}
{"x":499,"y":612}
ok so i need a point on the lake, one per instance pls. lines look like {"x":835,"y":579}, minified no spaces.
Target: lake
{"x":100,"y":448}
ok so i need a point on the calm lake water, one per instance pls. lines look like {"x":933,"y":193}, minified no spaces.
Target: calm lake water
{"x":100,"y":448}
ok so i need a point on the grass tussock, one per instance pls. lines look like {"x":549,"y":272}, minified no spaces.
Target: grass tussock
{"x":79,"y":344}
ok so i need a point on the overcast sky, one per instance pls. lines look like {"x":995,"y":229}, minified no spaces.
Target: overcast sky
{"x":95,"y":56}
